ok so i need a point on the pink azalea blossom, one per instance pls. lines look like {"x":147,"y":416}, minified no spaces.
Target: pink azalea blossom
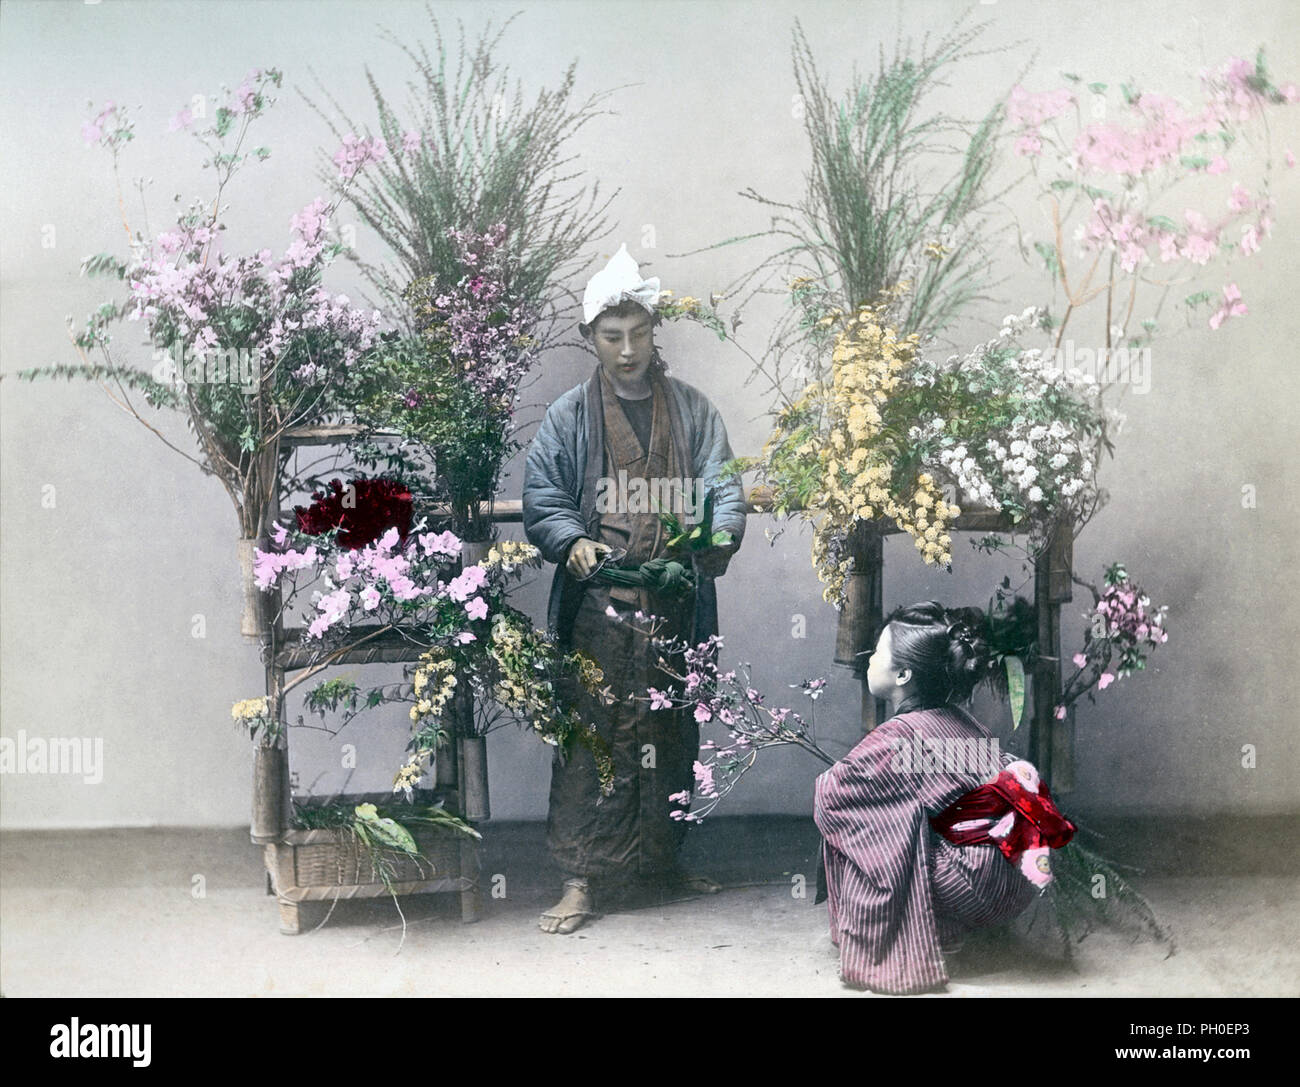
{"x":467,"y":583}
{"x":1104,"y":681}
{"x":1060,"y":713}
{"x":355,"y":154}
{"x":1028,"y":145}
{"x":370,"y":598}
{"x":1232,"y":306}
{"x":477,"y":608}
{"x":659,"y":700}
{"x":446,"y":544}
{"x":1026,"y":108}
{"x":1079,"y":660}
{"x":1240,"y":199}
{"x":702,"y":712}
{"x":703,"y":777}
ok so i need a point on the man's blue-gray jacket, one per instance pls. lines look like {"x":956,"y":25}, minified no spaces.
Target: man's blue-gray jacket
{"x":562,"y":474}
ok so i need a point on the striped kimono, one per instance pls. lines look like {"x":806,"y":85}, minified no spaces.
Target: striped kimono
{"x":899,"y":893}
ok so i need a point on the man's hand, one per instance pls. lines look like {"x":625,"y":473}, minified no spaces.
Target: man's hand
{"x":713,"y":561}
{"x":585,"y":556}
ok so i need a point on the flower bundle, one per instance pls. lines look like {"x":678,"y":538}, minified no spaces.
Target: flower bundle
{"x":1117,"y":170}
{"x":245,"y":345}
{"x":452,"y":389}
{"x":838,"y":457}
{"x":892,"y":431}
{"x":729,"y":701}
{"x":361,"y":513}
{"x":1123,"y":627}
{"x":1015,"y":431}
{"x":462,"y":617}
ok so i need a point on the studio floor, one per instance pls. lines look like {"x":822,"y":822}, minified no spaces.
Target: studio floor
{"x":118,"y":913}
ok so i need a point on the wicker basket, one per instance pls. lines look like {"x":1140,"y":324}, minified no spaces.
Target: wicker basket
{"x":322,"y":866}
{"x":334,"y":858}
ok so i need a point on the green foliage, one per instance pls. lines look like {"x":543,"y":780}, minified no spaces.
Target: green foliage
{"x":894,"y":194}
{"x":1082,"y":902}
{"x":382,"y":833}
{"x":155,"y":392}
{"x":486,"y":156}
{"x":412,"y":388}
{"x":330,"y":694}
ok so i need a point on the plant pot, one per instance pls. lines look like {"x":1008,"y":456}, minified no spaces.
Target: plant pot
{"x":252,"y":621}
{"x":473,"y":552}
{"x":270,"y":780}
{"x":474,"y":779}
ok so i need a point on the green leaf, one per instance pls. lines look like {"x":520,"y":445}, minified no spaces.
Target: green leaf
{"x":721,"y":539}
{"x":1194,"y":162}
{"x":387,"y":831}
{"x":1048,"y":253}
{"x":1097,"y":88}
{"x":1016,"y":689}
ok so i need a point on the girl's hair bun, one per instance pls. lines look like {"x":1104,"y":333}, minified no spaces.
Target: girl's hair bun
{"x":946,"y":649}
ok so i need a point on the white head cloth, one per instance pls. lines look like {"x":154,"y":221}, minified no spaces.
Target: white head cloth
{"x":620,"y":279}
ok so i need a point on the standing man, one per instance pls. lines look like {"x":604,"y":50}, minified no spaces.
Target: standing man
{"x":629,"y":430}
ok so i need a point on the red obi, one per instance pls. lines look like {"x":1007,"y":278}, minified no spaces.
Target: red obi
{"x":1014,"y":811}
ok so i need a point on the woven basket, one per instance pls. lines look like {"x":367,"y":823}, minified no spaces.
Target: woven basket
{"x":334,"y":858}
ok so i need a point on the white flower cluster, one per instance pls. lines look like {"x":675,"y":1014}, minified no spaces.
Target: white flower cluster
{"x":1040,"y":458}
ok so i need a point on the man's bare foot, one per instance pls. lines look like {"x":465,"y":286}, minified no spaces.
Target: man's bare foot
{"x":572,"y":911}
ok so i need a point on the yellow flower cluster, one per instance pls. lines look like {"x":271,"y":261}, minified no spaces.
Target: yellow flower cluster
{"x":409,"y":775}
{"x":853,"y":451}
{"x":509,"y":555}
{"x":590,"y":674}
{"x":438,"y":674}
{"x":249,"y":709}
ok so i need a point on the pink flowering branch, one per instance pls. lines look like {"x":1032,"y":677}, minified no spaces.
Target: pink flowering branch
{"x":728,"y":701}
{"x":1153,"y":146}
{"x":1123,"y":627}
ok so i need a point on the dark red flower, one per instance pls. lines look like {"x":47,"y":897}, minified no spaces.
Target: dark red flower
{"x":380,"y":504}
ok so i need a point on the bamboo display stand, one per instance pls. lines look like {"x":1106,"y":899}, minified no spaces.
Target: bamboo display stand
{"x":313,"y":866}
{"x":306,"y":868}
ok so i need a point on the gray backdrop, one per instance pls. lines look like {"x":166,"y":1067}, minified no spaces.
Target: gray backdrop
{"x":100,"y":592}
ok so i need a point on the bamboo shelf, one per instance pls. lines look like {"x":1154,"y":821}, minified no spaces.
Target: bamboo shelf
{"x":312,"y":866}
{"x":306,"y":868}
